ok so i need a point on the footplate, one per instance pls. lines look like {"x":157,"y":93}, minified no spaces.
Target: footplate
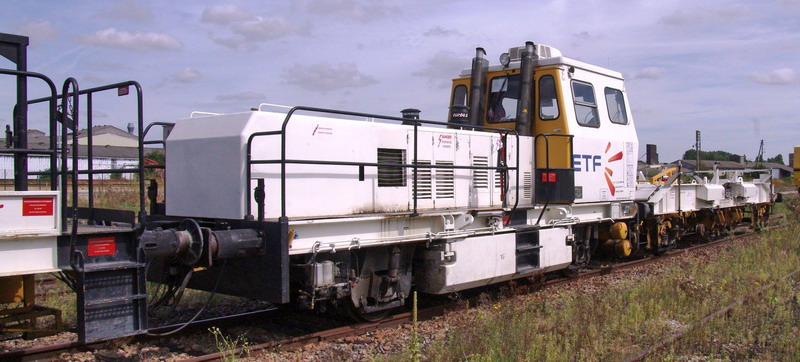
{"x":112,"y":303}
{"x":110,"y":276}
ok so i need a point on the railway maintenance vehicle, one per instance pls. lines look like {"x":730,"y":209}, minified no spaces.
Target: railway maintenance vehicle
{"x":534,"y":171}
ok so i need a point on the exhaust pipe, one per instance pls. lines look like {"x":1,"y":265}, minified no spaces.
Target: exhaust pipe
{"x":480,"y":66}
{"x":525,"y":105}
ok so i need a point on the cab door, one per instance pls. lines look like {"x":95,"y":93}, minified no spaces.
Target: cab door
{"x":502,"y":98}
{"x":554,"y":177}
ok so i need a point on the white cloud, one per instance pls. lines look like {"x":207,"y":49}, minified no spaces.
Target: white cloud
{"x":783,"y":76}
{"x":702,"y":17}
{"x":438,"y":31}
{"x":269,"y":28}
{"x":37,"y":31}
{"x":187,"y":75}
{"x":93,"y":78}
{"x":650,"y":73}
{"x":247,"y":29}
{"x":184,"y":76}
{"x":114,"y":38}
{"x":355,"y":10}
{"x":232,"y":42}
{"x":325,"y":77}
{"x":585,"y":35}
{"x":440,"y":69}
{"x":130,"y":10}
{"x":243,"y":96}
{"x":225,"y":14}
{"x":107,"y":65}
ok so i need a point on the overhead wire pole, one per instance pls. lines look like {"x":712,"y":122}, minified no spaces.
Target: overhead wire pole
{"x":697,"y":147}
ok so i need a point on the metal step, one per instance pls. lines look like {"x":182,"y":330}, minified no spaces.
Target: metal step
{"x":526,"y":269}
{"x":112,"y":302}
{"x":526,"y":247}
{"x":110,"y":274}
{"x":117,"y":265}
{"x":527,"y":251}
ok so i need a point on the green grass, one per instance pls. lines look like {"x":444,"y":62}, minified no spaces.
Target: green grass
{"x":60,"y":297}
{"x":766,"y":328}
{"x":619,"y":320}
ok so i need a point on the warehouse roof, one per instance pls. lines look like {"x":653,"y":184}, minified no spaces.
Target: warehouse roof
{"x":38,"y":140}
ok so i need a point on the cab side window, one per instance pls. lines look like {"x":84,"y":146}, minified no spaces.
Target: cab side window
{"x":548,"y":100}
{"x":585,"y":104}
{"x":503,"y":99}
{"x":616,"y":106}
{"x":460,"y":95}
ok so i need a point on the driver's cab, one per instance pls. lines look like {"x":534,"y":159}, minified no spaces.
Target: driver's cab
{"x":579,"y":118}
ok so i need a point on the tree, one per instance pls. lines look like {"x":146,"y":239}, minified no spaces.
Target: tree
{"x":154,"y":157}
{"x":776,"y":159}
{"x":691,"y":154}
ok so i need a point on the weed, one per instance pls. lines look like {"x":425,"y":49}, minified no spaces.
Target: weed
{"x":232,"y":349}
{"x":414,"y":345}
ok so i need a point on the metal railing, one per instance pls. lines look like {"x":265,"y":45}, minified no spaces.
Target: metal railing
{"x":75,"y":126}
{"x":283,"y":161}
{"x":547,"y":169}
{"x":52,"y":121}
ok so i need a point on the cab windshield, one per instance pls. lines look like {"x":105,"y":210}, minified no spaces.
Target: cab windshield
{"x":503,"y":99}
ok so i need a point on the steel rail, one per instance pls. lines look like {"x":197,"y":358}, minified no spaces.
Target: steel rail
{"x":54,"y":350}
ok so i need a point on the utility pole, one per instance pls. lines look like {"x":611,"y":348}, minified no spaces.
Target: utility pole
{"x":760,"y":157}
{"x":697,"y":148}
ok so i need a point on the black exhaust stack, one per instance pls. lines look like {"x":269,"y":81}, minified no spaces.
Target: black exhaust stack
{"x":480,"y":66}
{"x":525,"y":104}
{"x":410,"y":113}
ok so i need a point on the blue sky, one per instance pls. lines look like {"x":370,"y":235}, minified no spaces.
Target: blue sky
{"x":727,"y":68}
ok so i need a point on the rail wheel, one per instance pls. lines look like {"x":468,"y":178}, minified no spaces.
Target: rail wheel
{"x":664,"y":238}
{"x":703,"y":233}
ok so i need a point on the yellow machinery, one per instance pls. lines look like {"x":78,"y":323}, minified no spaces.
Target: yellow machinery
{"x":662,"y":176}
{"x":19,"y":312}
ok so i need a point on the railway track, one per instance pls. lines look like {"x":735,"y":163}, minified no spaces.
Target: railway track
{"x":293,"y":343}
{"x":54,"y":350}
{"x":429,"y":313}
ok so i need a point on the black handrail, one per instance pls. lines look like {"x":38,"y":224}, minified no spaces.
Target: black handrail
{"x":70,"y":82}
{"x":140,"y":120}
{"x":414,"y":165}
{"x":547,"y":163}
{"x":52,"y":122}
{"x":157,"y":142}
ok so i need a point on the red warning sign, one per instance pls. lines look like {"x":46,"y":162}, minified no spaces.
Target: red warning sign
{"x":102,"y":246}
{"x":37,"y":206}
